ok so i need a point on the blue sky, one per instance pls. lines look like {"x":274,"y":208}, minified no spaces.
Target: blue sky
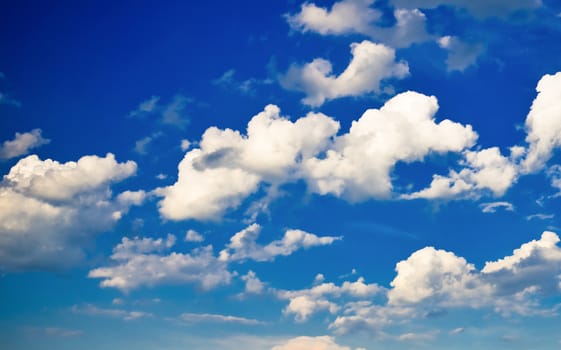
{"x":355,"y":174}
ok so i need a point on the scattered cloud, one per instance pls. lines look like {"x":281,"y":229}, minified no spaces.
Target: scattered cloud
{"x":370,"y":66}
{"x":173,"y":113}
{"x":478,"y":8}
{"x":243,"y":244}
{"x":193,"y":236}
{"x":461,"y":55}
{"x":245,"y":87}
{"x":141,"y":146}
{"x":139,"y":263}
{"x":540,"y":216}
{"x":62,"y":332}
{"x":216,"y":318}
{"x":22,"y":144}
{"x":148,"y":262}
{"x":92,"y":310}
{"x":493,"y":206}
{"x":358,"y":17}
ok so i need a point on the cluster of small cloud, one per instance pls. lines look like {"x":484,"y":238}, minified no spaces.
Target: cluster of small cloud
{"x":49,"y":209}
{"x":489,"y":170}
{"x":410,"y":27}
{"x":428,"y":281}
{"x":141,"y":261}
{"x":172,"y":113}
{"x":229,"y":166}
{"x":432,"y":279}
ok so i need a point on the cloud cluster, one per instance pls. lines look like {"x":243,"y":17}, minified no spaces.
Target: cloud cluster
{"x":488,"y":171}
{"x":148,"y":262}
{"x":49,"y":209}
{"x":172,"y":113}
{"x":303,"y":303}
{"x":370,"y":66}
{"x":22,"y":144}
{"x":229,"y":166}
{"x":432,"y":279}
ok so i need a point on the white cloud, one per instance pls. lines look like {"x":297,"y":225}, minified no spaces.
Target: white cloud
{"x":229,"y":166}
{"x":430,"y":272}
{"x":185,"y":144}
{"x":543,"y":124}
{"x":311,"y":343}
{"x":493,"y":206}
{"x":371,"y":64}
{"x":417,"y":337}
{"x":461,"y":54}
{"x":358,"y":166}
{"x":216,"y":318}
{"x":478,"y":8}
{"x":92,"y":310}
{"x":540,"y":216}
{"x":304,"y":303}
{"x":243,"y":244}
{"x":485,"y":171}
{"x":348,"y":16}
{"x":49,"y":209}
{"x":146,"y":261}
{"x":193,"y":236}
{"x":22,"y":144}
{"x":357,"y":16}
{"x":432,"y":279}
{"x":139,"y":263}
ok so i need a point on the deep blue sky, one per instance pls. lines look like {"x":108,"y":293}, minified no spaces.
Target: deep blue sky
{"x":86,"y":264}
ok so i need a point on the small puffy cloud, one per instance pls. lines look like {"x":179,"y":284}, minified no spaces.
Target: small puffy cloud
{"x":478,"y":8}
{"x":140,"y":262}
{"x":543,"y":124}
{"x":417,"y":337}
{"x":311,"y":343}
{"x":193,"y":236}
{"x":305,"y":302}
{"x":185,"y":144}
{"x":358,"y":17}
{"x":253,"y":285}
{"x":22,"y":144}
{"x":359,"y":164}
{"x":461,"y":54}
{"x":49,"y":209}
{"x":216,"y":318}
{"x":92,"y":310}
{"x":485,"y":171}
{"x":493,"y":206}
{"x":141,"y":146}
{"x":348,"y":16}
{"x":371,"y":64}
{"x":243,"y":244}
